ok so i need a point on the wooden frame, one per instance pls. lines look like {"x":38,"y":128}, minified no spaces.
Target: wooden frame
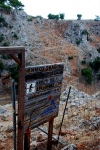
{"x":18,"y":54}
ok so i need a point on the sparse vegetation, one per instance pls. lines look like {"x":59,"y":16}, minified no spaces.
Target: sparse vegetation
{"x":51,"y":16}
{"x":83,"y":62}
{"x":2,"y":19}
{"x":6,"y":44}
{"x":7,"y":4}
{"x":79,"y":16}
{"x":15,"y":36}
{"x":87,"y":73}
{"x":85,"y":32}
{"x":78,"y":41}
{"x":5,"y":8}
{"x":95,"y":65}
{"x":5,"y":56}
{"x":62,"y":16}
{"x":3,"y":22}
{"x":1,"y":37}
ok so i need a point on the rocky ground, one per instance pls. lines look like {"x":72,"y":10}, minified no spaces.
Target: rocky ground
{"x":80,"y":130}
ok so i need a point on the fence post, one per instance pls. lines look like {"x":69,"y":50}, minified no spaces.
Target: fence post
{"x":14,"y":111}
{"x":50,"y":130}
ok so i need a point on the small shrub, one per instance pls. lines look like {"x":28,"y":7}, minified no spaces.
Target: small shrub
{"x":2,"y":19}
{"x":62,"y":16}
{"x":6,"y":44}
{"x":87,"y":73}
{"x":84,"y":32}
{"x":15,"y":36}
{"x":83,"y":62}
{"x":95,"y":65}
{"x":52,"y":16}
{"x":1,"y":37}
{"x":3,"y":22}
{"x":30,"y":19}
{"x":79,"y":16}
{"x":78,"y":41}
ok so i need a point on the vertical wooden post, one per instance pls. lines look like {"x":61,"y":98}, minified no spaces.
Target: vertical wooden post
{"x":50,"y":130}
{"x":21,"y":96}
{"x":27,"y":139}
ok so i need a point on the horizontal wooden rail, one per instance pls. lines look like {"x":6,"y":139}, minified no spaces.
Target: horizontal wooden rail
{"x":11,"y":50}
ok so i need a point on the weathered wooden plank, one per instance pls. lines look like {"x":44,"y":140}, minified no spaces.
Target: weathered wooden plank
{"x":40,"y":75}
{"x":40,"y":107}
{"x":41,"y":120}
{"x":44,"y":68}
{"x":15,"y":58}
{"x":43,"y":88}
{"x":31,"y":99}
{"x":11,"y":50}
{"x":44,"y":93}
{"x":21,"y":95}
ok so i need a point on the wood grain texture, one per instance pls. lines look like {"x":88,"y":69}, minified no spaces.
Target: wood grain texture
{"x":42,"y":103}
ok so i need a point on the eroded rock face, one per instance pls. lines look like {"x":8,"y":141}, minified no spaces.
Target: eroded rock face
{"x":79,"y":33}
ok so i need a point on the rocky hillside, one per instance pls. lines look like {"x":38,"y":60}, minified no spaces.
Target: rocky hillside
{"x":74,"y":42}
{"x":51,"y":41}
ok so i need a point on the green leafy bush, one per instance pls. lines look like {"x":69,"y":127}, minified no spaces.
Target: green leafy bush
{"x":5,"y":8}
{"x":87,"y":73}
{"x":79,"y":16}
{"x":62,"y":16}
{"x":11,"y":3}
{"x":52,"y":16}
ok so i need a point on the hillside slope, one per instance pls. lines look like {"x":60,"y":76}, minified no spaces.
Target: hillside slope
{"x":51,"y":41}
